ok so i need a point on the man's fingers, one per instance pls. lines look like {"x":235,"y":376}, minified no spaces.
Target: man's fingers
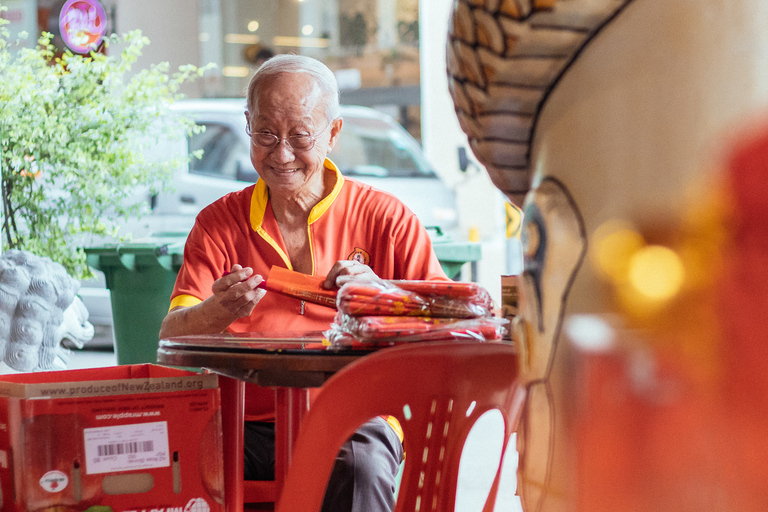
{"x":237,"y":275}
{"x":237,"y":291}
{"x":242,"y":305}
{"x":345,"y":270}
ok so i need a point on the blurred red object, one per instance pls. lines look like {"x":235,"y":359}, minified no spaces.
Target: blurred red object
{"x":651,"y":436}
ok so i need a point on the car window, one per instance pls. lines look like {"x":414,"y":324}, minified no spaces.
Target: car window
{"x":222,"y":150}
{"x":372,"y":147}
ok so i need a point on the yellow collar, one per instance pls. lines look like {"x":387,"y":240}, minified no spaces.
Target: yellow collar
{"x":260,"y":198}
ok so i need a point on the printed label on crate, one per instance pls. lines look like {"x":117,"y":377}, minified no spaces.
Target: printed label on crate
{"x":107,"y":387}
{"x":197,"y":505}
{"x":126,"y":447}
{"x":193,"y":505}
{"x":54,"y":481}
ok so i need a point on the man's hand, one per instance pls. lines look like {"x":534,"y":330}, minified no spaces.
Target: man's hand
{"x":344,"y":271}
{"x":237,"y":292}
{"x":235,"y":295}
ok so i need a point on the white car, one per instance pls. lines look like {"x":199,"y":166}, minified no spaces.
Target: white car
{"x":372,"y":148}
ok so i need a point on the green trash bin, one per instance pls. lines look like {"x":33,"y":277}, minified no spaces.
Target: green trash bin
{"x":453,"y":255}
{"x":139,"y":276}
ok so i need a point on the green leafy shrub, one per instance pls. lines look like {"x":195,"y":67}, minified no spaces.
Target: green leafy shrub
{"x":74,"y":131}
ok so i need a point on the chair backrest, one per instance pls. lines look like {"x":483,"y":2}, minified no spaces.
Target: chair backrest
{"x":436,"y":390}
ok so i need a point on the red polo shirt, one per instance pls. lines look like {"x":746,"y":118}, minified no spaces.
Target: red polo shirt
{"x":353,"y":221}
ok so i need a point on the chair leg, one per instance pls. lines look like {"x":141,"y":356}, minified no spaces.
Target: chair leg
{"x":232,"y":424}
{"x":291,"y":404}
{"x":259,"y":491}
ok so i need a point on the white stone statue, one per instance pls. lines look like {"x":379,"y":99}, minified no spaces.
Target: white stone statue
{"x":39,"y":308}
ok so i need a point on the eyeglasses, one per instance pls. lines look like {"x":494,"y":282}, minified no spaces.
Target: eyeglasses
{"x":269,"y":141}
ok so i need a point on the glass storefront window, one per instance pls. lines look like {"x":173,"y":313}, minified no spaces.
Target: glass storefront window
{"x":369,"y":44}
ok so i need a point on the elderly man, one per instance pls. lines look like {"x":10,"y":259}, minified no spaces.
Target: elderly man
{"x":302,"y":214}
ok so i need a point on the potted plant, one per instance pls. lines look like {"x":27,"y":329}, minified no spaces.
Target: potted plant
{"x":74,"y":132}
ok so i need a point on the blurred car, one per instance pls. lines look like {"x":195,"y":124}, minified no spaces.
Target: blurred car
{"x":372,"y":148}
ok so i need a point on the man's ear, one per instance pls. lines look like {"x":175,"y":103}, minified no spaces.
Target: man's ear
{"x":335,"y":131}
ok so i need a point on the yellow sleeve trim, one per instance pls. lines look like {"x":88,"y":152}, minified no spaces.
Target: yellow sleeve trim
{"x":184,"y":301}
{"x":395,"y":426}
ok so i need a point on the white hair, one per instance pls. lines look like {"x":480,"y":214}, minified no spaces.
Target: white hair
{"x":287,"y":63}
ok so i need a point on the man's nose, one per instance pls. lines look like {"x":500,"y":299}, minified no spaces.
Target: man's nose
{"x":283,"y":152}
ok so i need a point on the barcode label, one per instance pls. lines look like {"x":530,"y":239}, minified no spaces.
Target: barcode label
{"x":126,"y":447}
{"x":121,"y":448}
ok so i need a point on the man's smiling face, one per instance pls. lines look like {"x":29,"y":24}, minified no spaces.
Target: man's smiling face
{"x":292,"y":104}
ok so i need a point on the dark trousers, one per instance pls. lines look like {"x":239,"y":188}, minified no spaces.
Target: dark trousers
{"x":363,"y":476}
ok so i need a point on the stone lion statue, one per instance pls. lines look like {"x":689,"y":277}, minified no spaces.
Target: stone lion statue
{"x":39,"y":308}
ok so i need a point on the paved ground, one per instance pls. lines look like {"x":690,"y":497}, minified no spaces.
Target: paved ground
{"x":103,"y":338}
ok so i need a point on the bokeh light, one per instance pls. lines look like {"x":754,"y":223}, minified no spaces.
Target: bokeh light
{"x":656,"y":272}
{"x":614,"y":245}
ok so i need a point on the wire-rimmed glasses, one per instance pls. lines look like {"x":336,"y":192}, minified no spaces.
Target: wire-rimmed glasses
{"x":269,"y":141}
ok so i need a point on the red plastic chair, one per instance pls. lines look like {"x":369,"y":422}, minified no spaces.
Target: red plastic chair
{"x":436,"y":390}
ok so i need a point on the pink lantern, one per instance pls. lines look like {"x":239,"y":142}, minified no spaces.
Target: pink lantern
{"x":83,"y":24}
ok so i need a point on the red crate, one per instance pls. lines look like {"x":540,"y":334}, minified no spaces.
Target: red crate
{"x":131,"y":438}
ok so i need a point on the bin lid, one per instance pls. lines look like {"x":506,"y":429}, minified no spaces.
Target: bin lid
{"x":165,"y":249}
{"x":448,"y":250}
